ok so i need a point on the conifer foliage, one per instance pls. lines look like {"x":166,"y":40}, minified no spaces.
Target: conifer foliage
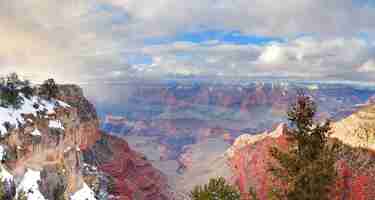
{"x":10,"y":89}
{"x":215,"y":189}
{"x":49,"y":89}
{"x":307,"y":168}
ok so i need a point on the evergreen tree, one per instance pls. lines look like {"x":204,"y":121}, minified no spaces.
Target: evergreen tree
{"x":11,"y":87}
{"x":21,"y":196}
{"x":216,"y":189}
{"x":307,"y":167}
{"x":49,"y":89}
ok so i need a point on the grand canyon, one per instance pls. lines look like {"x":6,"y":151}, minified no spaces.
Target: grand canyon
{"x":187,"y":100}
{"x":189,"y":130}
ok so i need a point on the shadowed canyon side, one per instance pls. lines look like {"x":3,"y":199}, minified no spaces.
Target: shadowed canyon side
{"x":132,"y":176}
{"x":57,"y":149}
{"x":250,"y":158}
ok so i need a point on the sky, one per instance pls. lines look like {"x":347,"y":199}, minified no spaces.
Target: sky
{"x":84,"y":41}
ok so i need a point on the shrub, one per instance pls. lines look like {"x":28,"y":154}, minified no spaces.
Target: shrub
{"x":215,"y":189}
{"x":3,"y":194}
{"x":27,"y":91}
{"x":49,"y":89}
{"x":111,"y":187}
{"x":10,"y":97}
{"x":21,"y":196}
{"x":11,"y":87}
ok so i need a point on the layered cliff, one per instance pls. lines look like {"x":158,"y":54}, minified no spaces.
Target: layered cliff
{"x":53,"y":147}
{"x":250,"y":159}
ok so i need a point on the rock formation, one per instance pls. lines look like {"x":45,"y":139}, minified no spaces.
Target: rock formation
{"x":250,"y":159}
{"x":50,"y":144}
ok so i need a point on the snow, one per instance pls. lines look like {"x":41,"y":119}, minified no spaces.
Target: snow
{"x":14,"y":116}
{"x":63,"y":104}
{"x":67,"y":149}
{"x":36,"y":132}
{"x":29,"y":185}
{"x":55,"y":124}
{"x":84,"y":194}
{"x":5,"y":175}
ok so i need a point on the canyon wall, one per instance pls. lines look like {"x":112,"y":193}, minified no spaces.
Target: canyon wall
{"x":250,"y":160}
{"x":59,"y":142}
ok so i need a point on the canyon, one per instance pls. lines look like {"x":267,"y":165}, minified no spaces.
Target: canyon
{"x":186,"y":129}
{"x":173,"y":139}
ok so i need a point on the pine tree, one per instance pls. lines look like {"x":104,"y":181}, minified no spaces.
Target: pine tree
{"x":216,"y":189}
{"x":307,"y":167}
{"x":49,"y":89}
{"x":21,"y":196}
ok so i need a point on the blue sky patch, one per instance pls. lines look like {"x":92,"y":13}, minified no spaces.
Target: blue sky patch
{"x":233,"y":37}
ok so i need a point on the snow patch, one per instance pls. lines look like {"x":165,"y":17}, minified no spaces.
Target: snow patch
{"x":14,"y":117}
{"x":29,"y":185}
{"x":5,"y":175}
{"x":63,"y":104}
{"x":84,"y":194}
{"x":36,"y":132}
{"x":55,"y":124}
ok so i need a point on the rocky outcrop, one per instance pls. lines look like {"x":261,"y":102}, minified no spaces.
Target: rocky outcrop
{"x":357,"y":130}
{"x":55,"y":139}
{"x":250,"y":159}
{"x":134,"y":177}
{"x":247,"y":139}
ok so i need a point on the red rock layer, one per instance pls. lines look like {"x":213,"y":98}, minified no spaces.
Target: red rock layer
{"x":354,"y":182}
{"x":135,"y":178}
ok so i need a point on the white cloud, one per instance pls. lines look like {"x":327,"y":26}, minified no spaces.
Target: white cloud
{"x":88,"y":40}
{"x":273,"y":54}
{"x":302,"y":57}
{"x":261,"y":17}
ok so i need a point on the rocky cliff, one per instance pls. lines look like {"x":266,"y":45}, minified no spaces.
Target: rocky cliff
{"x":250,"y":159}
{"x":54,"y":148}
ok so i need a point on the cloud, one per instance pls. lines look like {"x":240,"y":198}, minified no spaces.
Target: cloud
{"x":274,"y":54}
{"x":259,"y":17}
{"x":104,"y":40}
{"x":67,"y":40}
{"x":305,"y":57}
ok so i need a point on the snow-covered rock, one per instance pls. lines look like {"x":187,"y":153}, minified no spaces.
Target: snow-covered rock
{"x":14,"y":116}
{"x":29,"y":185}
{"x":5,"y":175}
{"x":85,"y":193}
{"x":55,"y":124}
{"x":36,"y":132}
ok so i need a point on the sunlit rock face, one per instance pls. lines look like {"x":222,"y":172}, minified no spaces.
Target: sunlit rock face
{"x":250,"y":159}
{"x":50,"y":140}
{"x":357,"y":129}
{"x":53,"y":144}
